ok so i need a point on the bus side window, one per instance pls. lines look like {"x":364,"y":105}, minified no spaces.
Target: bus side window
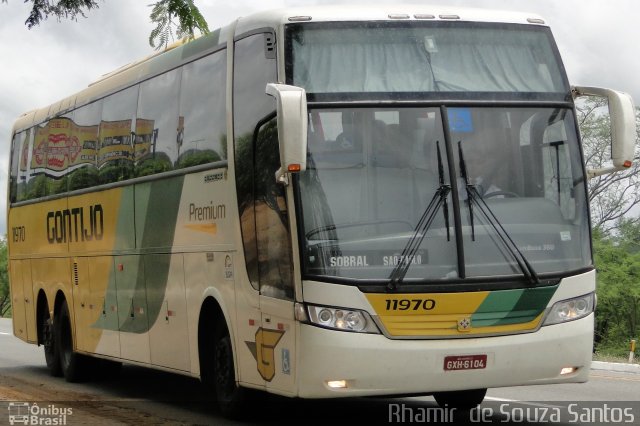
{"x":156,"y":144}
{"x":59,"y":153}
{"x":85,"y":130}
{"x":16,"y":185}
{"x":37,"y":183}
{"x":115,"y":145}
{"x":272,"y":221}
{"x":202,"y":126}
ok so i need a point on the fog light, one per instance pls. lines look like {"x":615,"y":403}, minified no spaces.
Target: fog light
{"x":337,"y":384}
{"x":568,"y":370}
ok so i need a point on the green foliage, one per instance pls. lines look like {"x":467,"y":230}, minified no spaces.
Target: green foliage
{"x":195,"y":158}
{"x":158,"y":163}
{"x":37,"y":187}
{"x":618,"y":289}
{"x":58,"y":186}
{"x":84,"y":177}
{"x":67,"y":9}
{"x":116,"y":171}
{"x":5,"y":298}
{"x":164,"y":14}
{"x":183,"y":15}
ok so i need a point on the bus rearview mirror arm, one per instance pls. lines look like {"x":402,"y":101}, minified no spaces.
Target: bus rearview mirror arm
{"x":623,"y":127}
{"x":292,"y":128}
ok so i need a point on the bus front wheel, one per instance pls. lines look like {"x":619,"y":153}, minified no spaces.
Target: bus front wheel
{"x":231,"y":397}
{"x":462,"y":400}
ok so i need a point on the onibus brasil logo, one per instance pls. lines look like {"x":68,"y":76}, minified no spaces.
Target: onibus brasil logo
{"x":25,"y":413}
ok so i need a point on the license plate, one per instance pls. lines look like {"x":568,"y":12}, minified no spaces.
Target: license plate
{"x":465,"y":362}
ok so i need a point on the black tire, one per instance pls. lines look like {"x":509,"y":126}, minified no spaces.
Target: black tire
{"x":462,"y":400}
{"x":232,"y":399}
{"x":51,"y":354}
{"x":74,"y":366}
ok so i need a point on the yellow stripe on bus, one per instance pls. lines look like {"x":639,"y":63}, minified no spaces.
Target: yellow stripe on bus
{"x":437,"y":314}
{"x":426,"y":303}
{"x":398,"y":326}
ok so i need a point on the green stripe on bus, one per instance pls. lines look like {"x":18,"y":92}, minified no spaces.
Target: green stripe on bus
{"x":504,"y":307}
{"x":161,"y":212}
{"x":159,"y":232}
{"x":140,"y":293}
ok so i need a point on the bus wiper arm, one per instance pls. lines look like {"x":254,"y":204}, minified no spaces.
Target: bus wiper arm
{"x":438,"y":200}
{"x":445,"y":206}
{"x":468,"y":187}
{"x":506,"y":239}
{"x":474,"y":197}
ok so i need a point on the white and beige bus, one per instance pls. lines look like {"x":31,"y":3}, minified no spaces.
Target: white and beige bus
{"x":320,"y":202}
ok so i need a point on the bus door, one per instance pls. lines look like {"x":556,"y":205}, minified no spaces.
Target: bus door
{"x":276,"y":344}
{"x":265,"y":333}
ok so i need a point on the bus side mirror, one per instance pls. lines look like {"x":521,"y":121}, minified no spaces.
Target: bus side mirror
{"x":292,"y":128}
{"x":623,"y":127}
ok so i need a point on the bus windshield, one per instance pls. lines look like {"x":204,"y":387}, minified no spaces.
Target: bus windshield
{"x":420,"y":57}
{"x":372,"y":173}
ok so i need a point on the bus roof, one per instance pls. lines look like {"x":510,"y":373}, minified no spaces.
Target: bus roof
{"x":182,"y":50}
{"x":397,"y":12}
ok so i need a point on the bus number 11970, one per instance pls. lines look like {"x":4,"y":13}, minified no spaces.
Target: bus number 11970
{"x":410,"y":304}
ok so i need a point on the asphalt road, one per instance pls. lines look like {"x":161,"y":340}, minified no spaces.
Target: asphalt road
{"x":140,"y":396}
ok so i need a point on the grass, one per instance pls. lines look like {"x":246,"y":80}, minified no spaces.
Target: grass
{"x":599,"y":356}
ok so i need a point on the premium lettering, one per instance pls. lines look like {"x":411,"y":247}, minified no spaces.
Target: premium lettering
{"x":76,"y":224}
{"x":210,"y":212}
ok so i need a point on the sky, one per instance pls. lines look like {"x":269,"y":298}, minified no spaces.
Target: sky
{"x":598,"y":40}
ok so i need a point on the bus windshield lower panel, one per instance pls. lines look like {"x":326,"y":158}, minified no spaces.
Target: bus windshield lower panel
{"x":373,"y":172}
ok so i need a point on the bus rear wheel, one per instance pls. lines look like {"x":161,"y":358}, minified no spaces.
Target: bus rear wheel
{"x":462,"y":400}
{"x":231,"y":397}
{"x":73,"y":365}
{"x":51,"y":354}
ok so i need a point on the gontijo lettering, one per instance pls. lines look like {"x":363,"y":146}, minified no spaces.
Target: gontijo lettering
{"x":76,"y":224}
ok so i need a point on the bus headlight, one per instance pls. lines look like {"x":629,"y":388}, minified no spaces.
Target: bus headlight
{"x":343,"y":319}
{"x":570,"y":309}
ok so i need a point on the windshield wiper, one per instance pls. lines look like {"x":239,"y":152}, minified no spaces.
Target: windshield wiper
{"x":438,"y":200}
{"x":465,"y":177}
{"x":445,"y":206}
{"x":474,"y":197}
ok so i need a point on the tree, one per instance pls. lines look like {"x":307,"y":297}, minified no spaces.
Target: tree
{"x":618,"y":287}
{"x":616,"y":232}
{"x":614,"y":195}
{"x":173,"y":18}
{"x":165,"y":12}
{"x":5,"y":297}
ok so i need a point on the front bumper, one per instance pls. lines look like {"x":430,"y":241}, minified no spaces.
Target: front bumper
{"x":375,"y":365}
